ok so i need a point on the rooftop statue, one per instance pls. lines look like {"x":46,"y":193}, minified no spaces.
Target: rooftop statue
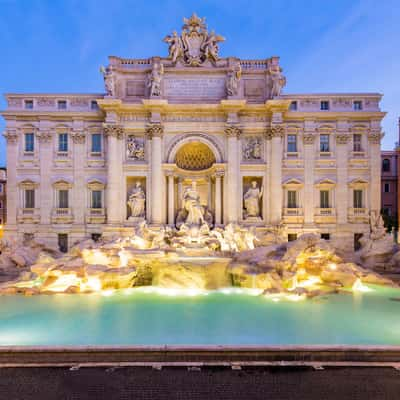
{"x":195,"y":45}
{"x":109,"y":80}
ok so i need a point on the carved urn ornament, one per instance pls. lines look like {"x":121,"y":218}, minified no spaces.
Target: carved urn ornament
{"x":195,"y":45}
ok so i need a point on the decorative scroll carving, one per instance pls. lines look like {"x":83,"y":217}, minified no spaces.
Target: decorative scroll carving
{"x":342,"y":138}
{"x":195,"y":45}
{"x":154,"y":130}
{"x":44,"y":136}
{"x":308,"y":138}
{"x":11,"y":136}
{"x":232,"y":131}
{"x":252,"y":149}
{"x":78,"y":136}
{"x":155,"y":80}
{"x":233,"y":80}
{"x":374,"y":137}
{"x":135,"y":148}
{"x":116,"y":131}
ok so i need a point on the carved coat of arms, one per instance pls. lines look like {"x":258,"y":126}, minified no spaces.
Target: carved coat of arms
{"x":195,"y":45}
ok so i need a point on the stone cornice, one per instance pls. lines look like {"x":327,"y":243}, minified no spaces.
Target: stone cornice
{"x":113,"y":130}
{"x":154,"y":129}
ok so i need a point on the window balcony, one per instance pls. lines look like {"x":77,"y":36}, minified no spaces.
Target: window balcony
{"x":28,"y":216}
{"x":62,"y":216}
{"x":324,"y":215}
{"x":96,"y":216}
{"x":358,"y":215}
{"x":293,"y":215}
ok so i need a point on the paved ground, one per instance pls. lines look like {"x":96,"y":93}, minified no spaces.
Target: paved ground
{"x":209,"y":383}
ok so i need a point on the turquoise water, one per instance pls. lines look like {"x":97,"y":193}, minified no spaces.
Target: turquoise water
{"x":136,"y":317}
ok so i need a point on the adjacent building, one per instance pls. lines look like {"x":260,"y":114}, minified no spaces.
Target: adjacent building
{"x":84,"y":165}
{"x":3,"y":196}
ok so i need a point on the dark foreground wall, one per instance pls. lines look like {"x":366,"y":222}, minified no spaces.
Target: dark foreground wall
{"x":209,"y":383}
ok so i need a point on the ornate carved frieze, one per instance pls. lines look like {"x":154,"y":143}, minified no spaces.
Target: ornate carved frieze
{"x":195,"y":45}
{"x":154,"y":129}
{"x":44,"y":136}
{"x":78,"y":136}
{"x":135,"y":148}
{"x":232,"y":131}
{"x":113,"y":130}
{"x":252,"y":148}
{"x":374,"y":137}
{"x":45,"y":102}
{"x":193,"y":118}
{"x":308,"y":138}
{"x":342,"y":138}
{"x":11,"y":135}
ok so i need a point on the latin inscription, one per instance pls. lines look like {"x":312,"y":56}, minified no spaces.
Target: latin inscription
{"x":195,"y":87}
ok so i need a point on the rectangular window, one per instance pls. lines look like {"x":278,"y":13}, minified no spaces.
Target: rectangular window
{"x":63,"y":198}
{"x":323,"y":143}
{"x":357,"y":105}
{"x":357,"y":244}
{"x":291,"y":237}
{"x":387,"y":187}
{"x":324,"y":199}
{"x":63,"y":242}
{"x":357,"y":199}
{"x":29,"y":142}
{"x":94,"y":105}
{"x":63,"y":142}
{"x":96,"y":143}
{"x":29,"y":198}
{"x":291,"y":199}
{"x":357,"y":142}
{"x":325,"y":236}
{"x":293,"y":106}
{"x":61,"y":104}
{"x":96,"y":237}
{"x":28,"y":104}
{"x":96,"y":199}
{"x":324,"y":105}
{"x":292,"y":144}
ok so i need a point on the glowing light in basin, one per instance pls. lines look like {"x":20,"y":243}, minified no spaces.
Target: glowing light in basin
{"x":63,"y":282}
{"x":359,"y":287}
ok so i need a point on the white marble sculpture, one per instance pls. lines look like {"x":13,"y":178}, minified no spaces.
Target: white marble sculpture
{"x":109,"y":80}
{"x":191,"y":203}
{"x":252,"y":149}
{"x":252,"y":200}
{"x":136,"y":201}
{"x":278,"y":80}
{"x":233,"y":80}
{"x":156,"y":79}
{"x":135,"y":148}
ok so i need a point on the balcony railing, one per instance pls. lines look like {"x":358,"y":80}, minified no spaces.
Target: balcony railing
{"x":61,"y":215}
{"x":357,"y":214}
{"x":325,"y":211}
{"x":292,"y":211}
{"x":28,"y":215}
{"x":96,"y":215}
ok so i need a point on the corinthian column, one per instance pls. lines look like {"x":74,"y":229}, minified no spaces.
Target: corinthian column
{"x":374,"y":139}
{"x":276,"y":134}
{"x":114,"y":134}
{"x":171,"y":198}
{"x":78,"y":192}
{"x":342,"y":140}
{"x":218,"y":197}
{"x":155,"y":132}
{"x":233,"y":196}
{"x":309,"y":150}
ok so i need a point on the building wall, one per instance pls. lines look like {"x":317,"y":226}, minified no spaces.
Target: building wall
{"x":389,"y":183}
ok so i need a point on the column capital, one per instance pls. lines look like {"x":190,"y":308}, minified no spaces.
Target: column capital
{"x":375,"y":136}
{"x":232,"y":130}
{"x":275,"y":130}
{"x":308,"y":138}
{"x":44,"y":136}
{"x":342,"y":138}
{"x":154,"y":129}
{"x":78,"y":136}
{"x":11,"y":135}
{"x":113,"y":130}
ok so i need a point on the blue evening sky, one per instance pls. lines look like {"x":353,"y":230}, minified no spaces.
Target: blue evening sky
{"x":325,"y":46}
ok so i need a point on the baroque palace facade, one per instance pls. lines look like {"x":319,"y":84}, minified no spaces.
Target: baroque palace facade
{"x":192,"y":136}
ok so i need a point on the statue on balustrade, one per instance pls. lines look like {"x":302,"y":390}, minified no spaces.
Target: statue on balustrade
{"x":136,"y":202}
{"x":278,"y":80}
{"x":109,"y":80}
{"x":156,"y":79}
{"x":233,"y":80}
{"x":252,"y":201}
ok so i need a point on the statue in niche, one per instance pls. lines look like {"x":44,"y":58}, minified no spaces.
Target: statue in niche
{"x":233,"y":79}
{"x":278,"y":80}
{"x":135,"y":148}
{"x":175,"y":49}
{"x":156,"y":79}
{"x":109,"y":80}
{"x":252,"y":149}
{"x":252,"y":200}
{"x":136,"y":201}
{"x":191,"y":203}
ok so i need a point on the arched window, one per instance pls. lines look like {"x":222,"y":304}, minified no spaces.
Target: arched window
{"x":385,"y":165}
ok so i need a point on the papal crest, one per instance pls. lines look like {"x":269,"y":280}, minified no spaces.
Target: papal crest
{"x":195,"y":45}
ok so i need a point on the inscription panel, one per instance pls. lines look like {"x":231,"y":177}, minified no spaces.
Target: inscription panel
{"x":135,"y":88}
{"x":195,"y":87}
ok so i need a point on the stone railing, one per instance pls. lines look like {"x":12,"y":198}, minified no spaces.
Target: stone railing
{"x":96,"y":216}
{"x":292,"y":211}
{"x":61,"y":216}
{"x":324,"y":211}
{"x":358,"y":214}
{"x":28,"y":215}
